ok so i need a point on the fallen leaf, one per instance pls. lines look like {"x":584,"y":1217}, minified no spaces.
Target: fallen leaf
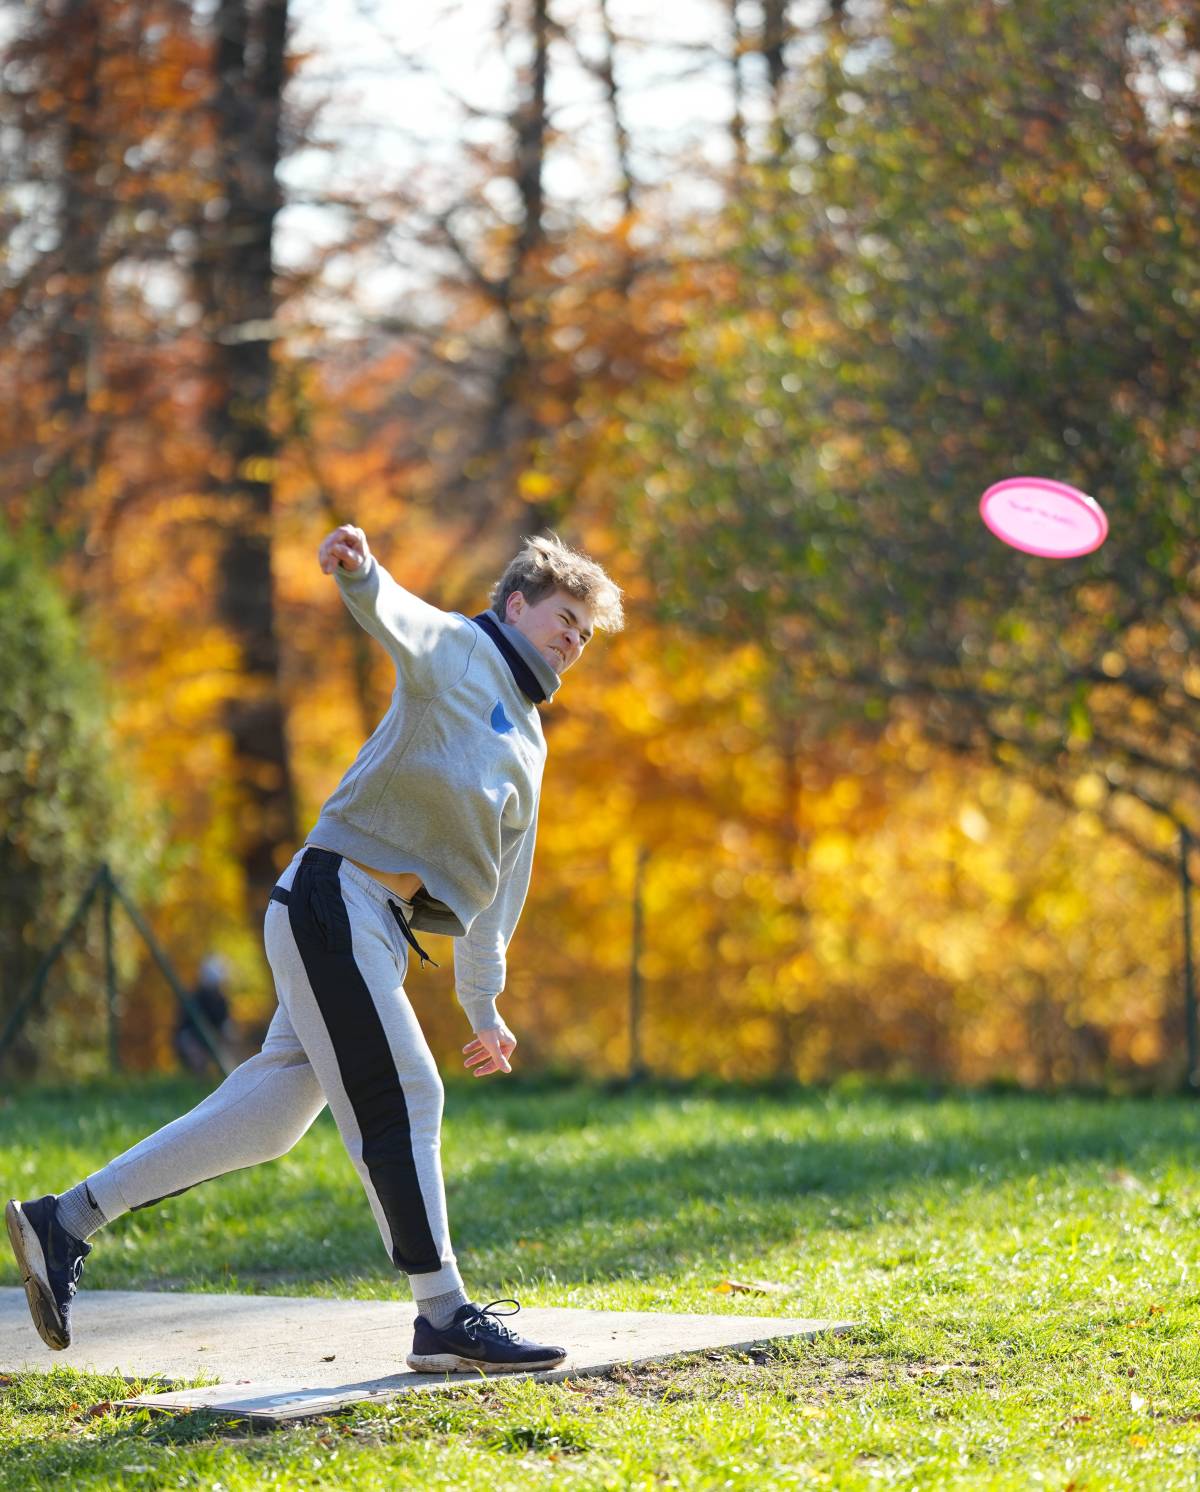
{"x":330,"y":1358}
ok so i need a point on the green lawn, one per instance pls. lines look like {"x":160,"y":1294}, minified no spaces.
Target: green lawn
{"x":1023,"y":1272}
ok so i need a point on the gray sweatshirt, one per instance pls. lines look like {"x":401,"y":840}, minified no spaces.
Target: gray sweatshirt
{"x":447,"y":785}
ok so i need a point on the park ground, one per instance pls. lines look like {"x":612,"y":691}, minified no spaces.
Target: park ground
{"x":1021,"y":1271}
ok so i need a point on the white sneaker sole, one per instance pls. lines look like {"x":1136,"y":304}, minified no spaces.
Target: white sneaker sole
{"x":449,"y":1362}
{"x":32,"y":1261}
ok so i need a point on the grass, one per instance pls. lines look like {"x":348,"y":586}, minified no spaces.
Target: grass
{"x":1022,"y":1271}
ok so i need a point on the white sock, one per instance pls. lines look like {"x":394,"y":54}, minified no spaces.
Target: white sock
{"x":439,"y":1310}
{"x":77,"y":1212}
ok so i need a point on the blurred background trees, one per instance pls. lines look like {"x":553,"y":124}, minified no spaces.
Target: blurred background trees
{"x":63,"y":806}
{"x":752,"y":300}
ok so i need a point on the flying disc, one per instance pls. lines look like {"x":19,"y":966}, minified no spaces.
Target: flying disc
{"x":1041,"y":516}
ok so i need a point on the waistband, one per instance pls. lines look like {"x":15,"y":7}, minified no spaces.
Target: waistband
{"x":330,"y":860}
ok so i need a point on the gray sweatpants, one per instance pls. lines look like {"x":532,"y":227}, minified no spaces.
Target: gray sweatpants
{"x":344,"y":1034}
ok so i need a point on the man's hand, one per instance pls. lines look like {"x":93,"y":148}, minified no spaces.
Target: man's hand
{"x":345,"y":546}
{"x":490,"y":1051}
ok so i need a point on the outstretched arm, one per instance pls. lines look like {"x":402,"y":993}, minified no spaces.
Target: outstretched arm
{"x":410,"y":629}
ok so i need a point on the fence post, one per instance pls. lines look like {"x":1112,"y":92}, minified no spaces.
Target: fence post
{"x":110,"y":975}
{"x":636,"y":1071}
{"x":1189,"y":971}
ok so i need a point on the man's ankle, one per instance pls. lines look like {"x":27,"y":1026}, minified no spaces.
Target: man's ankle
{"x":78,"y":1212}
{"x":440,"y":1310}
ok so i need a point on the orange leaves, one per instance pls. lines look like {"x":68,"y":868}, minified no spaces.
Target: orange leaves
{"x":886,"y":918}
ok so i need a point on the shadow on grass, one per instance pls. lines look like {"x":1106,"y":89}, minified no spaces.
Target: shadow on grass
{"x":595,"y":1184}
{"x":130,"y":1454}
{"x":755,"y":1190}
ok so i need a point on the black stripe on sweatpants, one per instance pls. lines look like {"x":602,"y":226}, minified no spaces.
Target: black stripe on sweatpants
{"x":321,"y":927}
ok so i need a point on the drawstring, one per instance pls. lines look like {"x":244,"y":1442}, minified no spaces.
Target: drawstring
{"x":408,"y":937}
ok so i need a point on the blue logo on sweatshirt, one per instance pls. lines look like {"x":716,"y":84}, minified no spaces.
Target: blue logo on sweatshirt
{"x":500,"y":721}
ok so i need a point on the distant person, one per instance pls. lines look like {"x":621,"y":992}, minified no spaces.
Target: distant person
{"x":209,"y":1001}
{"x":431,"y":829}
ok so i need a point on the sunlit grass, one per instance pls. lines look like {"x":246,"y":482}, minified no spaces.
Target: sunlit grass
{"x":1021,"y":1272}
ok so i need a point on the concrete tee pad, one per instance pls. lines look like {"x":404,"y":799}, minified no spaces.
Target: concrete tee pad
{"x":280,"y":1358}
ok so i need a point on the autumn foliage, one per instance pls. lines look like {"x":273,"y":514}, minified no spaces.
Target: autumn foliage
{"x":887,"y":797}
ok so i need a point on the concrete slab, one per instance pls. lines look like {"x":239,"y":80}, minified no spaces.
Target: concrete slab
{"x":280,"y":1358}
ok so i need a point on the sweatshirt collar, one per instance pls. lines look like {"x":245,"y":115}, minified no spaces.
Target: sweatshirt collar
{"x":533,"y":674}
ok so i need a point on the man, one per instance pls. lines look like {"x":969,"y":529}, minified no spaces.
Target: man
{"x":431,"y":829}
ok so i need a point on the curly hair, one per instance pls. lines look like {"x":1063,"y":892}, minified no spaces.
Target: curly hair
{"x":544,"y":565}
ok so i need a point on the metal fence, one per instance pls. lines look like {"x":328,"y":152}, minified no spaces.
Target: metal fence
{"x":111,"y":895}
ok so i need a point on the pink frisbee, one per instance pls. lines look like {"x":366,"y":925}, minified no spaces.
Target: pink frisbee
{"x":1041,"y":516}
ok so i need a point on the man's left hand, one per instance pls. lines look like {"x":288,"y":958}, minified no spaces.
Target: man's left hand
{"x":490,"y":1051}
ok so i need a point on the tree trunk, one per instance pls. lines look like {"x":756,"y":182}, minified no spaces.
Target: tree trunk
{"x":608,"y":77}
{"x":774,"y":40}
{"x":237,"y":287}
{"x":737,"y":120}
{"x":68,"y":44}
{"x":509,"y":425}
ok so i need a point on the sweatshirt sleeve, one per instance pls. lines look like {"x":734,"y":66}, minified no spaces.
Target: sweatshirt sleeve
{"x":480,"y":955}
{"x":410,"y":629}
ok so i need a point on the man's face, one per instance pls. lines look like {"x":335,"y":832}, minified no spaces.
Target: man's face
{"x":559,"y":626}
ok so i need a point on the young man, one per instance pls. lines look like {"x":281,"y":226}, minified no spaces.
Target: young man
{"x":431,"y":829}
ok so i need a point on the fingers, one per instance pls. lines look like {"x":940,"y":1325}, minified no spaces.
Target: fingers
{"x":345,"y":547}
{"x":488,"y":1053}
{"x":484,"y":1063}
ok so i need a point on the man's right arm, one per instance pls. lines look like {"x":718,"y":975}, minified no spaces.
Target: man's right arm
{"x":409,"y":628}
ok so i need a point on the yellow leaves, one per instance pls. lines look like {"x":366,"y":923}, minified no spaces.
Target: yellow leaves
{"x":258,"y":469}
{"x":845,"y":795}
{"x":1145,"y":1048}
{"x":831,"y":852}
{"x":973,"y":823}
{"x":728,"y":341}
{"x":536,"y":486}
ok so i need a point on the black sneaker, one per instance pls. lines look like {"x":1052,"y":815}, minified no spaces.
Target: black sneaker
{"x":51,"y":1261}
{"x":476,"y":1342}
